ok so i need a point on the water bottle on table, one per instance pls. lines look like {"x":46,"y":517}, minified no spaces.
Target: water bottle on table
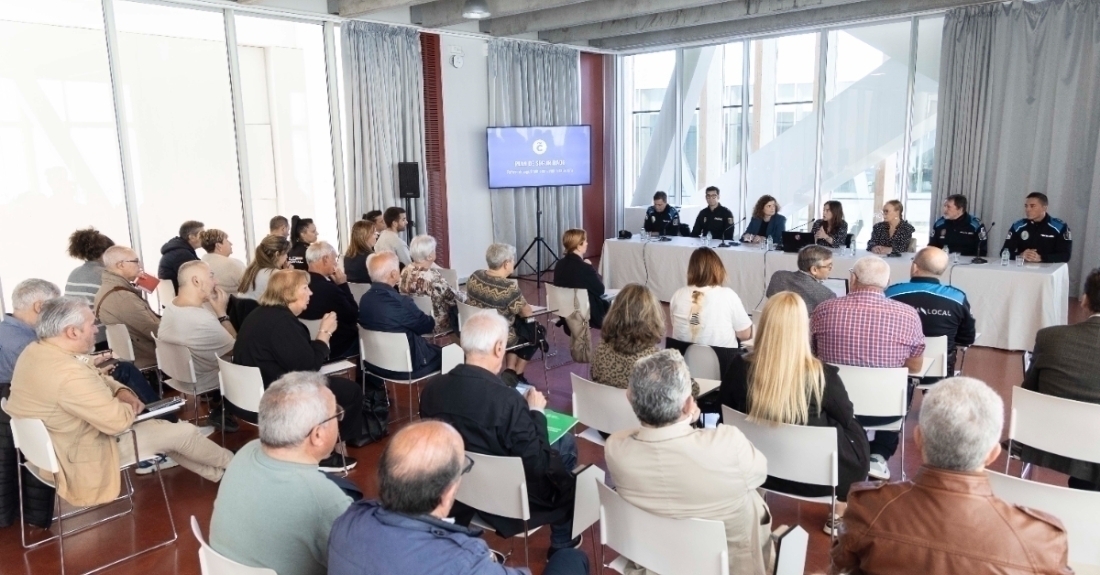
{"x":706,"y":239}
{"x":1004,"y":257}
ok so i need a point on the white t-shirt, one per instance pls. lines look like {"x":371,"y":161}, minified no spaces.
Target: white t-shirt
{"x":259,"y":285}
{"x":719,"y":315}
{"x":389,"y":241}
{"x":198,"y":329}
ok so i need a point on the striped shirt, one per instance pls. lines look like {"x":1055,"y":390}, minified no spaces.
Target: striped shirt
{"x":865,"y":329}
{"x":83,"y":283}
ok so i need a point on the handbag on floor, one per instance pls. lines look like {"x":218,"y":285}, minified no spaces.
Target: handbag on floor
{"x":376,"y":413}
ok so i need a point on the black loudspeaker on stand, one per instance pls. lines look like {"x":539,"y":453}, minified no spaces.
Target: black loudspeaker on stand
{"x":408,"y":186}
{"x":535,"y":243}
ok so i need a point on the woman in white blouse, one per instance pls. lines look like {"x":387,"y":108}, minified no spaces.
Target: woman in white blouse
{"x":705,"y":311}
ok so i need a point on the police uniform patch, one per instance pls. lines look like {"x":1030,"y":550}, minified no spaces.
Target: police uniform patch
{"x":1024,"y":235}
{"x":1067,"y":236}
{"x":729,"y":220}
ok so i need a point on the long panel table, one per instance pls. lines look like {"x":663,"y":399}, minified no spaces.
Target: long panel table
{"x":1010,"y":303}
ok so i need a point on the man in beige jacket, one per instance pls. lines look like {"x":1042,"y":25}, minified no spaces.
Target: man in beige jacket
{"x":56,"y":382}
{"x":117,"y":301}
{"x":671,"y":469}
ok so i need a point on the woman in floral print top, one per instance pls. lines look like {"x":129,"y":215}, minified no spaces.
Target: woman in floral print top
{"x":421,"y":277}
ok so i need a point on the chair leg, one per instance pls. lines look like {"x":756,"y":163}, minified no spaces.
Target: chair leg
{"x":903,"y":448}
{"x":526,"y":550}
{"x":1008,"y":455}
{"x":60,"y":530}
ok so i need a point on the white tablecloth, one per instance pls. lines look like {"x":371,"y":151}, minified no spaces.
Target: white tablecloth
{"x":1010,"y":303}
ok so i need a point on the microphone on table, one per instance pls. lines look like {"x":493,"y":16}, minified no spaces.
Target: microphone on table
{"x":730,"y":243}
{"x":983,"y":236}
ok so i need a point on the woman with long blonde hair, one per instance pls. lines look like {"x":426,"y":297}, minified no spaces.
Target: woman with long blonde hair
{"x":781,"y":381}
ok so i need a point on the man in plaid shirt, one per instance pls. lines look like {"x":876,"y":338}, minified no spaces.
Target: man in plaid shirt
{"x":865,"y":329}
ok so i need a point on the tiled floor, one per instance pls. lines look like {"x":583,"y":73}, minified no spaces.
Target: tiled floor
{"x":190,"y":495}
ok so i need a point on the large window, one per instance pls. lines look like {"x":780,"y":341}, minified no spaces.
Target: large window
{"x":712,"y":134}
{"x":649,"y":85}
{"x":923,"y":139}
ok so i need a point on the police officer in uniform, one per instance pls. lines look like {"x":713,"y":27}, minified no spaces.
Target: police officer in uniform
{"x":1039,"y":237}
{"x":715,"y":218}
{"x":959,"y":231}
{"x":661,"y":217}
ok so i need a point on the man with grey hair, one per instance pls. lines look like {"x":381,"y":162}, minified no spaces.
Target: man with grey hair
{"x":815,"y":263}
{"x":55,"y":381}
{"x":704,"y":473}
{"x":119,"y":302}
{"x":331,"y":293}
{"x":274,"y":508}
{"x":384,"y":309}
{"x":494,"y":419}
{"x":946,"y":519}
{"x":865,"y":329}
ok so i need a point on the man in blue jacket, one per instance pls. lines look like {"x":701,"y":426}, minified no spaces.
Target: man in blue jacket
{"x":383,"y":309}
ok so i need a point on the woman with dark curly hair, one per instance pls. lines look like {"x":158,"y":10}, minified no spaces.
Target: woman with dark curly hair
{"x":88,"y":246}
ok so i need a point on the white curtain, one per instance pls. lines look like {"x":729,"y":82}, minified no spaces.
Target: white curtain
{"x":534,"y":85}
{"x":384,"y":90}
{"x":1019,"y":112}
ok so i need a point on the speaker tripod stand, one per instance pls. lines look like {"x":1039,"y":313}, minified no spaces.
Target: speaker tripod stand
{"x":537,"y":242}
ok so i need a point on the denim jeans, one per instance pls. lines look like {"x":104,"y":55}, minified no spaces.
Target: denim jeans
{"x":567,"y":562}
{"x":129,"y":375}
{"x":562,"y":533}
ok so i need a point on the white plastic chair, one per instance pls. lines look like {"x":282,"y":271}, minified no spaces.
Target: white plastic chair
{"x":702,"y":362}
{"x":1076,"y":509}
{"x":118,"y":339}
{"x":176,"y":362}
{"x":241,"y":385}
{"x":601,"y":408}
{"x":424,"y":304}
{"x":1055,"y":425}
{"x":453,"y":356}
{"x":357,"y":290}
{"x":935,"y":360}
{"x":166,"y":292}
{"x":795,"y":452}
{"x":560,"y":303}
{"x":791,"y":551}
{"x":390,"y":352}
{"x":313,"y":325}
{"x":498,"y":486}
{"x":661,"y":544}
{"x":879,"y":392}
{"x":213,"y":563}
{"x":465,"y":310}
{"x":36,"y":454}
{"x":451,"y":276}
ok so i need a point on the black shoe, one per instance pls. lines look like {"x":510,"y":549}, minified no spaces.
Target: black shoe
{"x":509,"y":377}
{"x":215,"y":419}
{"x":576,"y":542}
{"x":336,"y":463}
{"x":544,"y":345}
{"x":564,"y":326}
{"x":520,"y":378}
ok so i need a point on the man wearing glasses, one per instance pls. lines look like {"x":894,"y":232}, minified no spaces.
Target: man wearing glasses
{"x":715,"y":218}
{"x":815,"y":263}
{"x":274,"y":508}
{"x":118,"y":301}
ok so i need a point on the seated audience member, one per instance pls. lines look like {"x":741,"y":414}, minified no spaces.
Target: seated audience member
{"x":180,"y":250}
{"x":206,"y":334}
{"x":407,"y":530}
{"x":781,"y":381}
{"x":766,"y":222}
{"x":865,"y":329}
{"x":943,"y":309}
{"x":302,"y":233}
{"x":893,"y":233}
{"x":705,"y":311}
{"x":273,"y":340}
{"x":88,"y":246}
{"x":361,"y":245}
{"x":384,"y":309}
{"x":375,"y":217}
{"x":56,"y":382}
{"x":422,"y":277}
{"x":119,"y":302}
{"x":702,"y":473}
{"x":389,"y":240}
{"x":815,"y":263}
{"x":493,"y":289}
{"x":279,"y":226}
{"x":946,"y":519}
{"x":661,"y":217}
{"x":494,"y":419}
{"x":573,"y":271}
{"x":1066,"y":364}
{"x":831,"y":230}
{"x":17,"y":331}
{"x":227,"y":271}
{"x":332,"y":295}
{"x":274,"y":510}
{"x":271,"y":256}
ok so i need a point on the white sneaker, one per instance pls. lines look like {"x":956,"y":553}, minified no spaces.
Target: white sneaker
{"x":147,"y":467}
{"x":879,"y":470}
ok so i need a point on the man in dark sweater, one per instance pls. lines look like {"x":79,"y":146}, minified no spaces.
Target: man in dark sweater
{"x":494,"y":419}
{"x":384,"y":309}
{"x":180,"y":250}
{"x":331,"y":293}
{"x":814,"y":265}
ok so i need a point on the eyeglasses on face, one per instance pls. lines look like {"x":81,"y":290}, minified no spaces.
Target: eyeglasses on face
{"x":131,"y":261}
{"x":469,"y":464}
{"x":339,"y":416}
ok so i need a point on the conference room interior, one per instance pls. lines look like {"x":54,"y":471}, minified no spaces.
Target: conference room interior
{"x":134,"y":115}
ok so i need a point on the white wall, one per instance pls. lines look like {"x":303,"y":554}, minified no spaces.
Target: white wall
{"x":466,"y":115}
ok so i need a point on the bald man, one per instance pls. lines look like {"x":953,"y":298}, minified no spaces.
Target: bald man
{"x":943,"y":309}
{"x":406,"y":532}
{"x":119,"y":302}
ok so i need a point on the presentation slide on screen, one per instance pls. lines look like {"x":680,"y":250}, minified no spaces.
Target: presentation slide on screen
{"x":537,"y":157}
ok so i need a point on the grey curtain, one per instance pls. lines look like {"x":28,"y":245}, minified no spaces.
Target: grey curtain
{"x":534,"y":85}
{"x":384,"y":91}
{"x":1019,"y":112}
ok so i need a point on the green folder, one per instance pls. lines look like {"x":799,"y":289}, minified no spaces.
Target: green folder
{"x":558,"y":424}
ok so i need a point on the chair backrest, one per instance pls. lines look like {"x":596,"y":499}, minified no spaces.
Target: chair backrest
{"x":175,"y":360}
{"x":452,"y":356}
{"x":1077,"y":509}
{"x":465,"y":310}
{"x":357,"y":290}
{"x":877,"y":391}
{"x":560,"y":301}
{"x":496,"y":485}
{"x":33,"y":440}
{"x":791,"y":556}
{"x":242,"y":385}
{"x":662,"y":544}
{"x":602,"y":407}
{"x":118,"y":339}
{"x":389,"y":351}
{"x":795,"y":452}
{"x":936,"y":348}
{"x":586,"y":502}
{"x":166,"y":292}
{"x":1060,"y":426}
{"x":451,"y":276}
{"x":424,"y":303}
{"x":702,"y":362}
{"x":856,"y":228}
{"x":213,"y":563}
{"x":313,"y":325}
{"x":912,"y":247}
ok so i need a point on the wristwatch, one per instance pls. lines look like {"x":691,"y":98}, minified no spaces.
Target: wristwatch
{"x":223,"y":318}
